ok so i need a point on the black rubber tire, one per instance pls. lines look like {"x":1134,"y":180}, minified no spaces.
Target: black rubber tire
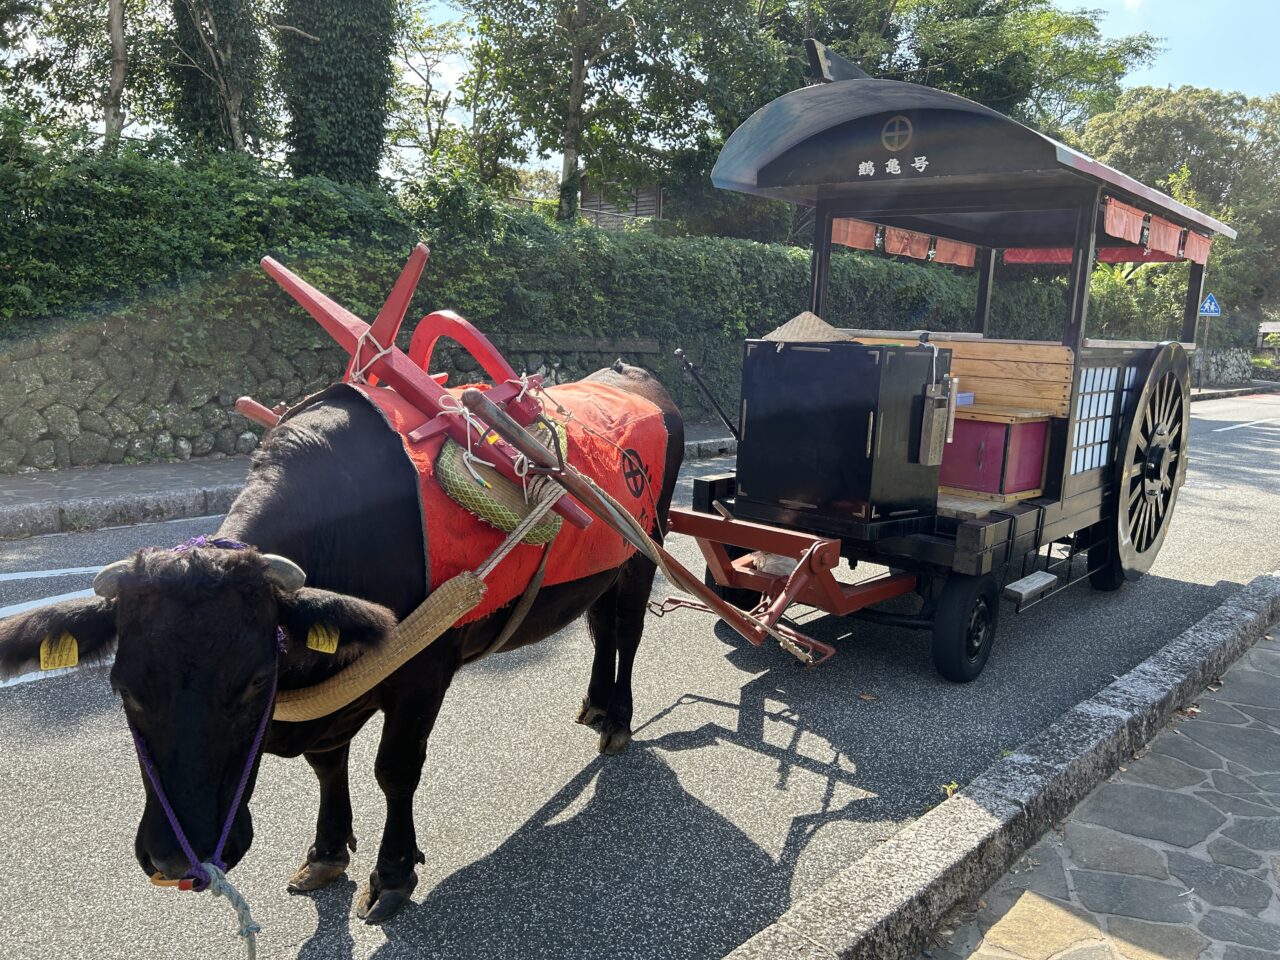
{"x":742,"y":599}
{"x":1108,"y":574}
{"x":964,"y":626}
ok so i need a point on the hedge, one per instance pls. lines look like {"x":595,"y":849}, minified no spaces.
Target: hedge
{"x":158,"y":251}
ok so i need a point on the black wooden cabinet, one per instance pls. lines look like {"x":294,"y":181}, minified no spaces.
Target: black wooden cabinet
{"x":831,"y":437}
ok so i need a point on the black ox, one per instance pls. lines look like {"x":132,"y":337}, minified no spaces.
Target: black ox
{"x":194,"y":635}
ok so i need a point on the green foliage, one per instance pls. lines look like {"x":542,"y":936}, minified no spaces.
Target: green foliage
{"x":421,"y":133}
{"x":77,"y":227}
{"x":606,"y":84}
{"x":1048,"y":67}
{"x":55,"y":60}
{"x":1029,"y":59}
{"x":336,"y":74}
{"x":217,"y":72}
{"x":1219,"y":152}
{"x":692,"y":205}
{"x":81,"y":233}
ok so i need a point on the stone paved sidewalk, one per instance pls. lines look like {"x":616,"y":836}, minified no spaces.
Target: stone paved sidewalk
{"x":1177,"y":856}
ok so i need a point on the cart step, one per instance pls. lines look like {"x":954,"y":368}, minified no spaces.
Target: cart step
{"x":1031,"y":586}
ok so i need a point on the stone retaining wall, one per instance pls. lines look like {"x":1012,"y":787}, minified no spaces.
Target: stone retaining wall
{"x":1266,"y":373}
{"x":1230,"y":366}
{"x":122,"y":391}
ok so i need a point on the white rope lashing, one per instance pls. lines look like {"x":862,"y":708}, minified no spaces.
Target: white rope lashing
{"x":360,"y":374}
{"x":451,"y":404}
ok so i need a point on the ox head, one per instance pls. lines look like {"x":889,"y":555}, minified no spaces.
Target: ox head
{"x":195,"y":638}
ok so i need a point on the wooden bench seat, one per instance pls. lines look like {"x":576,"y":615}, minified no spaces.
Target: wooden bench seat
{"x":999,"y":413}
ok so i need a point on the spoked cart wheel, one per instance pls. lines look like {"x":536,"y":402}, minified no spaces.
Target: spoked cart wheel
{"x":1151,"y":468}
{"x":964,"y":625}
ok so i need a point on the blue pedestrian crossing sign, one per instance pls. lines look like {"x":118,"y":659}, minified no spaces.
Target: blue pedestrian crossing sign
{"x":1210,"y":307}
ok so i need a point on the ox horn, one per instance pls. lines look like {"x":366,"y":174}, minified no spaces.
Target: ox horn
{"x":284,"y":573}
{"x":107,"y":582}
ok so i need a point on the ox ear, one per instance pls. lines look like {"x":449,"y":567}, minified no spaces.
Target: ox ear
{"x":59,"y":635}
{"x":333,"y":623}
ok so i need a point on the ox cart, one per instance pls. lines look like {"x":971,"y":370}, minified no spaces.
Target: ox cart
{"x":971,"y":466}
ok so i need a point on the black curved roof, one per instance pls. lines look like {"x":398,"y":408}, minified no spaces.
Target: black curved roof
{"x":916,"y":157}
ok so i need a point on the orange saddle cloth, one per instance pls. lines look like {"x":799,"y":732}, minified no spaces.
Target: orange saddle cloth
{"x":604,"y":422}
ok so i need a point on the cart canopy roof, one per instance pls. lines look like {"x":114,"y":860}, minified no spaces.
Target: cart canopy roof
{"x":917,"y":158}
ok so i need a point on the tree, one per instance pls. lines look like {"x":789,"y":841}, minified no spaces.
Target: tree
{"x":77,"y":63}
{"x":421,"y":128}
{"x":217,"y":71}
{"x":496,"y":142}
{"x":336,"y":74}
{"x":433,"y":125}
{"x":113,"y":115}
{"x":1217,"y":151}
{"x":1026,"y":58}
{"x":605,"y":82}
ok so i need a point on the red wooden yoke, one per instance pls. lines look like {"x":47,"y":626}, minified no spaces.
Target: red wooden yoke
{"x":376,"y":358}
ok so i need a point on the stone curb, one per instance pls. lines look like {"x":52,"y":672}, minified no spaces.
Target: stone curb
{"x":1224,"y":392}
{"x":885,"y":906}
{"x":93,"y":513}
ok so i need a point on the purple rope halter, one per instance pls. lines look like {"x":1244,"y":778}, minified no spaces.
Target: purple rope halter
{"x":198,"y":875}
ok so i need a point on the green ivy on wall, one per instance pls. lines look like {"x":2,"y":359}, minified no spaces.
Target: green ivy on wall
{"x":336,"y":73}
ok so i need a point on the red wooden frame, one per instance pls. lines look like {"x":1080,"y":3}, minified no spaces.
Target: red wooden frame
{"x":374,"y":357}
{"x":812,"y":582}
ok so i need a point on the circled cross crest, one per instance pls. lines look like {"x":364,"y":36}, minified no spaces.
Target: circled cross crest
{"x":896,"y":133}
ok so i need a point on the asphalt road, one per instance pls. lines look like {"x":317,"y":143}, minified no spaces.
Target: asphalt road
{"x":751,"y":780}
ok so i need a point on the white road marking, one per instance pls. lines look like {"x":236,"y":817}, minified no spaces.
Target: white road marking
{"x":1239,"y":426}
{"x":31,"y":677}
{"x":32,"y":604}
{"x":39,"y":574}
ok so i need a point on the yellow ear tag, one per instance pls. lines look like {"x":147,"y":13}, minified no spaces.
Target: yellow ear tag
{"x":57,"y":653}
{"x":322,"y":638}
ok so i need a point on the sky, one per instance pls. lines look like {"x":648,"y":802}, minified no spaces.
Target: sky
{"x":1225,"y":44}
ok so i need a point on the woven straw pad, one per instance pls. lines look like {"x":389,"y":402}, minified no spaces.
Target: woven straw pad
{"x":498,"y":501}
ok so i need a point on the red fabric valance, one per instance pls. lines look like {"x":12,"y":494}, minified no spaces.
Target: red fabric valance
{"x":1030,"y":255}
{"x":1124,"y":221}
{"x":1133,"y":255}
{"x":1164,"y":236}
{"x":1197,"y":247}
{"x":906,"y":243}
{"x":1062,"y":255}
{"x":854,"y":233}
{"x":954,"y":252}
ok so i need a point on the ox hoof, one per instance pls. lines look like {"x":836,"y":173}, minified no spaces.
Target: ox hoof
{"x":315,"y":874}
{"x":614,"y":738}
{"x":375,"y":906}
{"x":589,"y":713}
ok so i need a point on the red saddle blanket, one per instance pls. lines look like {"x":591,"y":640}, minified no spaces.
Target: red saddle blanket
{"x":605,"y":422}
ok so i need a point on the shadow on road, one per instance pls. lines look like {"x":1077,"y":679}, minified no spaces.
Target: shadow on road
{"x":334,"y":917}
{"x":625,"y":827}
{"x":667,"y":875}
